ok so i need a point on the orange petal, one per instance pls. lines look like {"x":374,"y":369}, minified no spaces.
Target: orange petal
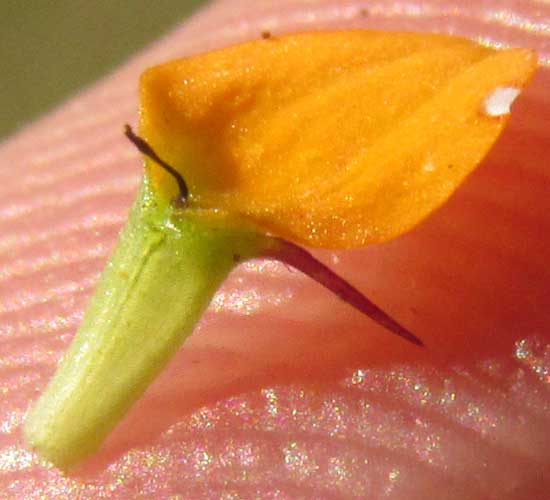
{"x":332,"y":139}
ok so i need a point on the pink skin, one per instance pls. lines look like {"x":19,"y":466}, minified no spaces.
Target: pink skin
{"x":284,"y":392}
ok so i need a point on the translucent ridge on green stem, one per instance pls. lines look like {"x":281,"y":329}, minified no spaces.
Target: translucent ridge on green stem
{"x":167,"y":266}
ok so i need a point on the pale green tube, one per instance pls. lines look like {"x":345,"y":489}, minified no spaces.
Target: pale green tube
{"x":168,"y":264}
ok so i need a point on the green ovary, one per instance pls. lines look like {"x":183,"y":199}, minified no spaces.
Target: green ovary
{"x":167,"y":266}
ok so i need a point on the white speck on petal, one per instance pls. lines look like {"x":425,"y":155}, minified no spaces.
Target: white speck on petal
{"x":498,"y":102}
{"x":429,"y":167}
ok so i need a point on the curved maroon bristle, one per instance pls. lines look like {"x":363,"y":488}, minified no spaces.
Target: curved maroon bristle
{"x":301,"y":259}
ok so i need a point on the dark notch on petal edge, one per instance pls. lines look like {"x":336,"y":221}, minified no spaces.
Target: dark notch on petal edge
{"x":144,"y":147}
{"x":301,"y":259}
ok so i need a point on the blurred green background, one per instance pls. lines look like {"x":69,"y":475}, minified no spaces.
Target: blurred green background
{"x":49,"y":49}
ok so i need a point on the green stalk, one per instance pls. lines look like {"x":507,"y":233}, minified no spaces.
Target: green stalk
{"x":168,"y":264}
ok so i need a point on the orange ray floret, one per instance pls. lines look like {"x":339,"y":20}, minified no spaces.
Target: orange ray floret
{"x":330,"y":139}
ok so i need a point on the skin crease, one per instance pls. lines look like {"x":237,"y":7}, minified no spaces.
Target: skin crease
{"x":284,"y":392}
